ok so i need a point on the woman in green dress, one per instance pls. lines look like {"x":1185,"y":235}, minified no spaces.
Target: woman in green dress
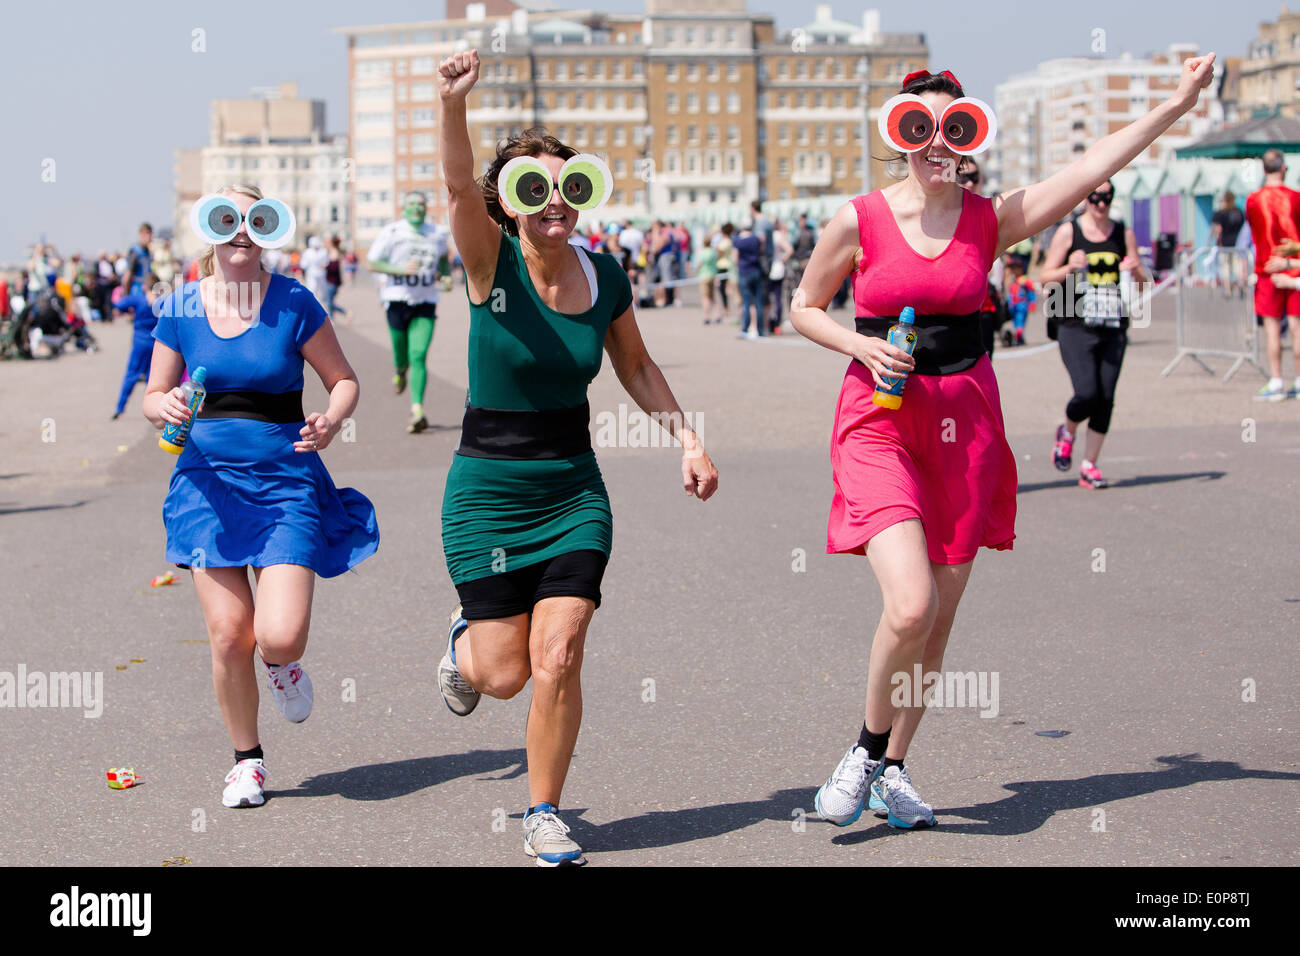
{"x":526,"y":523}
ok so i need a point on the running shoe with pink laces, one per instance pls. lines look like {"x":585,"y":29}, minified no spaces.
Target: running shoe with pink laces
{"x":1090,"y":476}
{"x":1063,"y":449}
{"x":291,"y":688}
{"x":244,"y":785}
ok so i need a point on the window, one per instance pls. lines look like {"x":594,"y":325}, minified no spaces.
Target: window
{"x":841,"y":135}
{"x":802,"y":135}
{"x":598,"y":135}
{"x":620,"y":136}
{"x":541,"y":70}
{"x":422,"y":170}
{"x":421,"y":91}
{"x":618,"y":69}
{"x":671,"y":161}
{"x":670,"y":36}
{"x":421,"y":65}
{"x":422,"y":117}
{"x":837,"y":100}
{"x":714,"y":135}
{"x":561,"y":101}
{"x":733,"y":72}
{"x":819,"y":100}
{"x":712,"y":71}
{"x":821,"y":134}
{"x":731,"y":41}
{"x":693,"y":72}
{"x":733,"y":102}
{"x":692,"y":102}
{"x":783,"y":70}
{"x":672,"y":195}
{"x":671,"y":135}
{"x":561,"y":70}
{"x":401,"y":92}
{"x":692,"y":135}
{"x":401,"y":170}
{"x":670,"y":71}
{"x":713,"y":162}
{"x":712,"y":103}
{"x":579,"y":69}
{"x":783,"y":134}
{"x":670,"y":102}
{"x":579,"y":101}
{"x":399,"y":67}
{"x":598,"y":69}
{"x":710,"y":36}
{"x":638,"y":70}
{"x":620,"y":167}
{"x":733,"y":134}
{"x":422,"y":143}
{"x":485,"y":136}
{"x":401,"y":119}
{"x":690,"y":36}
{"x":580,"y":134}
{"x":619,"y":100}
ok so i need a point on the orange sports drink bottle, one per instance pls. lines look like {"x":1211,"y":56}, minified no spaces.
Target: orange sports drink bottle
{"x":902,"y":334}
{"x":174,"y":437}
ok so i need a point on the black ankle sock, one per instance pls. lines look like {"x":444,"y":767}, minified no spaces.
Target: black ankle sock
{"x":254,"y":754}
{"x":873,"y":744}
{"x":893,"y":762}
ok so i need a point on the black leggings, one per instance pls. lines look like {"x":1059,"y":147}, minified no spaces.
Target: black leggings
{"x":1093,"y":358}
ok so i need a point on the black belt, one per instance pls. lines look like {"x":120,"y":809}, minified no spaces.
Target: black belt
{"x":281,"y":408}
{"x":944,"y":343}
{"x":501,"y":433}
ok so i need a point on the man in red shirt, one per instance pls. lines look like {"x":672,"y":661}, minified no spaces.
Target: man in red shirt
{"x":1273,"y":213}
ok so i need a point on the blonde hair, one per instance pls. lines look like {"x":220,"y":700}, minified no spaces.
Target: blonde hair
{"x":205,"y":259}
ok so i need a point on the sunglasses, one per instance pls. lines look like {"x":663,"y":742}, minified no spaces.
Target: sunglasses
{"x":1100,"y":199}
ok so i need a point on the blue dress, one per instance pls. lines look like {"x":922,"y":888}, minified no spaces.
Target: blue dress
{"x":240,"y":495}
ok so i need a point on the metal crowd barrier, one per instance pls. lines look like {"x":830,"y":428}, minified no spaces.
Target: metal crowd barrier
{"x":1215,"y":296}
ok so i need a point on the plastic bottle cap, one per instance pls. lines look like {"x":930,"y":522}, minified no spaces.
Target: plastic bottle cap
{"x":199,"y":374}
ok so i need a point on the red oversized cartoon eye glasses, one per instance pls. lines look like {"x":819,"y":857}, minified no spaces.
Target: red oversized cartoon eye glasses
{"x":967,"y":126}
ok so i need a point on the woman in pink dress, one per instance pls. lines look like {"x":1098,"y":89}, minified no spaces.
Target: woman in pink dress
{"x":920,"y":489}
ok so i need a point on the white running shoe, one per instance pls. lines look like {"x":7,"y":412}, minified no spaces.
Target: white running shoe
{"x":903,"y":805}
{"x":546,"y":837}
{"x":457,"y":694}
{"x":839,"y":801}
{"x":291,"y":688}
{"x":244,"y":785}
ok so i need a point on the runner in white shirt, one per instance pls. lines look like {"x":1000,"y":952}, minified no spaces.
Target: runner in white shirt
{"x":408,"y":252}
{"x":313,"y":262}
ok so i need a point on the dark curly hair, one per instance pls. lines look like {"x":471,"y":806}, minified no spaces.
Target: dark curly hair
{"x":535,"y":141}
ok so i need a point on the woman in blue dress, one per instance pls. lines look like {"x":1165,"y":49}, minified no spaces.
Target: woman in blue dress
{"x":249,"y":489}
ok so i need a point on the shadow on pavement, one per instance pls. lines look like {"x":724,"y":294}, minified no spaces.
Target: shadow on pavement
{"x":18,"y":474}
{"x":384,"y":781}
{"x":1035,"y":801}
{"x":669,"y":827}
{"x":15,"y":511}
{"x":1126,"y":482}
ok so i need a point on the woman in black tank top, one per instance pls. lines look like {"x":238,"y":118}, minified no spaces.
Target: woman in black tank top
{"x":1091,"y":258}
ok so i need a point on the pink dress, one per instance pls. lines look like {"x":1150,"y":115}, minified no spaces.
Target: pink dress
{"x":943,"y":456}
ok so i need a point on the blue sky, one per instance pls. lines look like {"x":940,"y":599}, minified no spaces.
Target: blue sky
{"x":108,"y":90}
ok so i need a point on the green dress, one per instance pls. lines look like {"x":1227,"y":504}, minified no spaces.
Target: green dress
{"x":499,"y":515}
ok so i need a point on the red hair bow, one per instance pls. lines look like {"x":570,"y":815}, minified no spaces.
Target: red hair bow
{"x":916,"y":73}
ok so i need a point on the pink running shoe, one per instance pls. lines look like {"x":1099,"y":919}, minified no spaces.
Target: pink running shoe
{"x":1090,"y":477}
{"x":1063,"y":449}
